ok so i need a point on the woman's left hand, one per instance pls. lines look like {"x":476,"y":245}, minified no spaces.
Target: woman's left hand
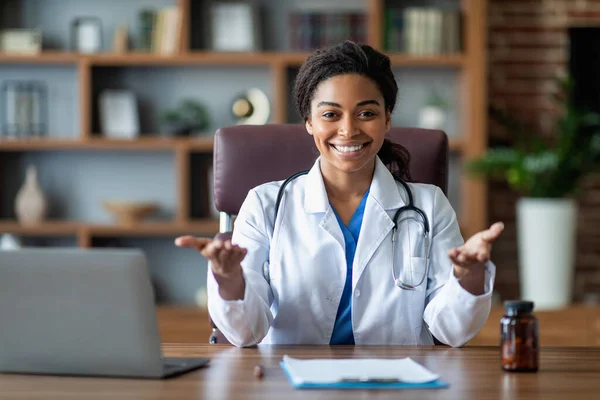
{"x":476,"y":251}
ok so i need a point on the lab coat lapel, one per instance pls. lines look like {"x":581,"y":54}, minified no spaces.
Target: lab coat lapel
{"x":316,"y":201}
{"x":377,"y":223}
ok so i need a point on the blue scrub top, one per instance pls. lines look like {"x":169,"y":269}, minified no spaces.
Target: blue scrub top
{"x":342,"y":330}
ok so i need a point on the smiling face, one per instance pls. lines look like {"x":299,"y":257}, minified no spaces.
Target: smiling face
{"x":348,"y":121}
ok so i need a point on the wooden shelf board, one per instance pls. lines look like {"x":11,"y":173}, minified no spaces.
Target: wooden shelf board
{"x":264,"y":58}
{"x":65,"y":228}
{"x":49,"y":57}
{"x":192,"y":58}
{"x":208,"y":226}
{"x":48,"y":228}
{"x":204,"y":144}
{"x":293,"y":58}
{"x":452,"y":60}
{"x":143,"y":143}
{"x":455,"y":144}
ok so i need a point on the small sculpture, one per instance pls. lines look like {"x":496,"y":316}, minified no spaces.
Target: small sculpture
{"x":251,"y":108}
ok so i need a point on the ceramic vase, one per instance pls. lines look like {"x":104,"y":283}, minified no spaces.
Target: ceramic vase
{"x":30,"y":203}
{"x":546,"y":231}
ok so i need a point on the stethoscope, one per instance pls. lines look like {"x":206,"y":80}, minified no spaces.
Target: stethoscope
{"x":409,"y":207}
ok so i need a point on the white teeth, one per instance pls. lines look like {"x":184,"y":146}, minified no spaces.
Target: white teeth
{"x":348,"y":149}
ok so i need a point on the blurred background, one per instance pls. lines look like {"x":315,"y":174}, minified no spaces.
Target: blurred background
{"x":108,"y":108}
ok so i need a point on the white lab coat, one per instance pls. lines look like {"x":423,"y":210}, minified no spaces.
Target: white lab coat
{"x":306,"y":250}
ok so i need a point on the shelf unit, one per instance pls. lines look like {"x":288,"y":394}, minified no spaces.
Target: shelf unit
{"x":273,"y":59}
{"x":471,"y":65}
{"x":84,"y":232}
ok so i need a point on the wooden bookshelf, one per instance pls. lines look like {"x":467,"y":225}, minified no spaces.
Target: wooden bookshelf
{"x":471,"y":64}
{"x":192,"y":58}
{"x":48,"y":228}
{"x":46,"y":57}
{"x":403,"y":60}
{"x":291,"y":59}
{"x":156,"y":229}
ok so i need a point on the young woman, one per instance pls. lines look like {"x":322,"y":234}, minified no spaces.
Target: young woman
{"x":339,"y":271}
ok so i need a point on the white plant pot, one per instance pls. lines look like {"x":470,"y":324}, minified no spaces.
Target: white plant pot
{"x":546,"y":232}
{"x":432,"y":118}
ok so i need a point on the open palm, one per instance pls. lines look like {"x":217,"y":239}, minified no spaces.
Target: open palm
{"x":477,"y":249}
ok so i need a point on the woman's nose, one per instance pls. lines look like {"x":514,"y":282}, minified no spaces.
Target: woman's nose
{"x":347,"y":128}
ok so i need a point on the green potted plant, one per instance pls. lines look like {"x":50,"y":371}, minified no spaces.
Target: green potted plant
{"x":188,"y":117}
{"x":547,"y":174}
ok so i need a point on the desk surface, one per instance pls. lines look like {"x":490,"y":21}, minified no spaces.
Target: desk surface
{"x":473,"y":373}
{"x":576,"y":326}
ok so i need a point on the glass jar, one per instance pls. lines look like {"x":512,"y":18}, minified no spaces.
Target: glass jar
{"x":519,"y":337}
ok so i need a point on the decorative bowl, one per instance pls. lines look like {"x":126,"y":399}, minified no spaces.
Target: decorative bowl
{"x":130,"y":213}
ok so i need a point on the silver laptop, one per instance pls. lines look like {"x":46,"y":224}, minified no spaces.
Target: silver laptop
{"x":71,"y":311}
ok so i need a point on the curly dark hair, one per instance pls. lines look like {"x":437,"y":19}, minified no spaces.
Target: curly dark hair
{"x":352,"y":58}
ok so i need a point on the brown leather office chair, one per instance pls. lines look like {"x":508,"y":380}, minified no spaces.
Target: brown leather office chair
{"x":246,"y":156}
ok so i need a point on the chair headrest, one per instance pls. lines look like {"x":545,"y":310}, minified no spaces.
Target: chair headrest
{"x":246,"y":156}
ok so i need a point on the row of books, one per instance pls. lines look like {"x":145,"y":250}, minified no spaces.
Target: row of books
{"x":422,"y":31}
{"x":160,"y":30}
{"x":309,"y":30}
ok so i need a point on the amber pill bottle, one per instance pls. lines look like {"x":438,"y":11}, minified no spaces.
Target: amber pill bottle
{"x":519,"y":337}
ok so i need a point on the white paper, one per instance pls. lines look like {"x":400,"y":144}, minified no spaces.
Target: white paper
{"x":336,"y":370}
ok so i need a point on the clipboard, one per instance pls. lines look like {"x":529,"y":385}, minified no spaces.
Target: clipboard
{"x":361,"y":376}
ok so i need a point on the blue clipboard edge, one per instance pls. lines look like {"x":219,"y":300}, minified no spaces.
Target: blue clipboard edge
{"x":437,"y":384}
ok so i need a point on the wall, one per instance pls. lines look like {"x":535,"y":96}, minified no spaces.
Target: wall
{"x":528,"y":47}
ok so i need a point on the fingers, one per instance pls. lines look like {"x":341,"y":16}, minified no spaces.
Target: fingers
{"x":230,"y":255}
{"x":224,"y":256}
{"x":213,"y":250}
{"x":464,"y":257}
{"x":192,"y":242}
{"x":493,"y":232}
{"x":218,"y":251}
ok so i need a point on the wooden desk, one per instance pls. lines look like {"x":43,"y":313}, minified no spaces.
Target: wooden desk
{"x":577,"y":326}
{"x":473,"y":373}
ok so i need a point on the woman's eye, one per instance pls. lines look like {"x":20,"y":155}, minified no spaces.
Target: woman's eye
{"x":367,"y":114}
{"x":328,"y":115}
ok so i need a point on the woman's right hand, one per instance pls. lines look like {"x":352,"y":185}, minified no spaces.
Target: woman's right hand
{"x":225,"y":261}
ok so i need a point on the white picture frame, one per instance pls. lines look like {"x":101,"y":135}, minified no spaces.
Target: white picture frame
{"x":235,"y":26}
{"x":86,"y":35}
{"x":119,"y":118}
